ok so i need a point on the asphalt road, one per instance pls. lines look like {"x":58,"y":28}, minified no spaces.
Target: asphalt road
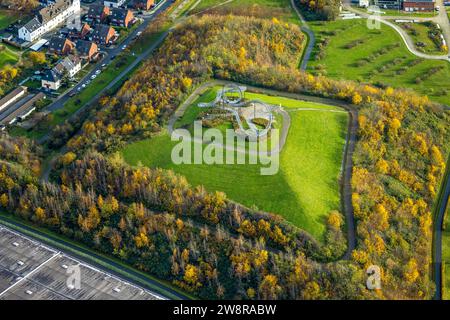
{"x":60,"y":102}
{"x":437,"y":236}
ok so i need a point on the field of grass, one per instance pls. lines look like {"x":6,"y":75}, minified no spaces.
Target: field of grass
{"x":419,"y":34}
{"x":8,"y":56}
{"x":7,"y":17}
{"x":446,"y":256}
{"x":306,"y":187}
{"x":280,"y":9}
{"x":379,"y":56}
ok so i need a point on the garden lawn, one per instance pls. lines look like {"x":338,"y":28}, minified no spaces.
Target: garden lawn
{"x":304,"y":190}
{"x":7,"y":56}
{"x":396,"y":66}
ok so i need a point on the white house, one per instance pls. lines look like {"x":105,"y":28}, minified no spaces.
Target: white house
{"x":32,"y":30}
{"x":49,"y":18}
{"x":71,"y":65}
{"x":51,"y":80}
{"x":113,"y":3}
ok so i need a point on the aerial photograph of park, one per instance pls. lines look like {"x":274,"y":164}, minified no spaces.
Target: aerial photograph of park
{"x":247,"y":151}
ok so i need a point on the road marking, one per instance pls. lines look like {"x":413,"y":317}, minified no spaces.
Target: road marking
{"x":65,"y":255}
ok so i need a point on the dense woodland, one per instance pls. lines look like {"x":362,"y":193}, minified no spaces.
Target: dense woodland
{"x":208,"y":245}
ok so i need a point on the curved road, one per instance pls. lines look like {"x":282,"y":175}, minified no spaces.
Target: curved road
{"x":405,"y":37}
{"x":437,"y":233}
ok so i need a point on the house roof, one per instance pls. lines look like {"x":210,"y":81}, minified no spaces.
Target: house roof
{"x":119,"y":13}
{"x":51,"y":11}
{"x":96,"y":10}
{"x":57,"y":43}
{"x":83,"y":47}
{"x":51,"y":76}
{"x":32,"y":25}
{"x":102,"y":30}
{"x":67,"y":64}
{"x":59,"y":68}
{"x":115,"y":1}
{"x":85,"y":29}
{"x":70,"y":62}
{"x":145,"y":2}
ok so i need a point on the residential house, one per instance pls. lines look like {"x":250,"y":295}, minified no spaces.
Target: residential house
{"x":85,"y":31}
{"x":60,"y":46}
{"x":98,"y":13}
{"x":32,"y":30}
{"x":51,"y":80}
{"x":419,"y":5}
{"x":87,"y":50}
{"x":103,"y":34}
{"x":114,"y":3}
{"x":69,"y":66}
{"x":49,"y":18}
{"x":121,"y":17}
{"x":142,"y":4}
{"x":80,"y":33}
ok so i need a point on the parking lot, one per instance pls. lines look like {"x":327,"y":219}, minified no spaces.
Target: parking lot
{"x":32,"y":271}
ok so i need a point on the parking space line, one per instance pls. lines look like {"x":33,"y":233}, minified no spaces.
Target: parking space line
{"x":29,"y":274}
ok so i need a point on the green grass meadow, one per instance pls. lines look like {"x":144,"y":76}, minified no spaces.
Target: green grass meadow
{"x":7,"y":17}
{"x":395,"y":66}
{"x":306,"y":187}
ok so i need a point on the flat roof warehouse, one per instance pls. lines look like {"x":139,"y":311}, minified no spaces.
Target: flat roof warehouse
{"x":32,"y":271}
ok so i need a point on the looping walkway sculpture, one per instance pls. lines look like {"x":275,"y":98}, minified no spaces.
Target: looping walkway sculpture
{"x":231,"y":99}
